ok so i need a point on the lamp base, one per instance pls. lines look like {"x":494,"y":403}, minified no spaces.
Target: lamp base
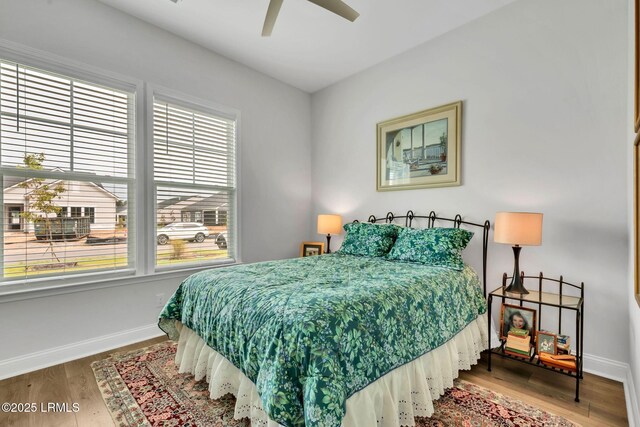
{"x":328,"y":251}
{"x":516,"y":286}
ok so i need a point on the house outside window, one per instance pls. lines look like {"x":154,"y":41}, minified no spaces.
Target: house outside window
{"x":64,"y":141}
{"x":194,"y":174}
{"x":68,"y":156}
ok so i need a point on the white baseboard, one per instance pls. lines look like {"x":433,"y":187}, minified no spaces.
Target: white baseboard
{"x":54,"y":356}
{"x":633,"y":409}
{"x":606,"y":368}
{"x":617,"y":371}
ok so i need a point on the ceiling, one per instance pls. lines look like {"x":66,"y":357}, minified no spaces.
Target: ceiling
{"x":310,"y":48}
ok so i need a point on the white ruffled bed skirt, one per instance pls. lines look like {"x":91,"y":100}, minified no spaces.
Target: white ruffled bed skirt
{"x":391,"y":401}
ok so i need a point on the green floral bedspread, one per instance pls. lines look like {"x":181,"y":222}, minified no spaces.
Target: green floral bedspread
{"x":310,"y":332}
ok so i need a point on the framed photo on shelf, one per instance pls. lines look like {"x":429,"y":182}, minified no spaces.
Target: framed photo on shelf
{"x":311,"y":248}
{"x":546,"y":343}
{"x":514,"y":316}
{"x":420,"y":150}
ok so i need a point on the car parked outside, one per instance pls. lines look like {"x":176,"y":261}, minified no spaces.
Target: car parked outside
{"x":221,"y":239}
{"x":182,"y":231}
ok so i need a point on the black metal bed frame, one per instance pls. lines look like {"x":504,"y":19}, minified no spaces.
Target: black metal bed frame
{"x":431,"y":220}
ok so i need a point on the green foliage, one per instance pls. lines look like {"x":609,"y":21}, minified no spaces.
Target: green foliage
{"x":178,"y":246}
{"x":40,"y":196}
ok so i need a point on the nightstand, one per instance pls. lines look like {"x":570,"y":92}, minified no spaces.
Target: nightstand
{"x":559,"y":299}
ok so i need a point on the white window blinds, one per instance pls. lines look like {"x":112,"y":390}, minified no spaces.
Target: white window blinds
{"x":194,"y":172}
{"x":67,"y":156}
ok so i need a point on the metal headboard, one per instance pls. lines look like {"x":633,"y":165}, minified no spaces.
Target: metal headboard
{"x":431,"y":220}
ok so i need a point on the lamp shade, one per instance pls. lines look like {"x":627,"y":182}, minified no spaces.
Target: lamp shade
{"x":518,"y":228}
{"x":329,"y":224}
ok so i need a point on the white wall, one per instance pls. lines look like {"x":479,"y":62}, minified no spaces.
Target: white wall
{"x":275,"y":155}
{"x":634,"y":310}
{"x":544,"y":119}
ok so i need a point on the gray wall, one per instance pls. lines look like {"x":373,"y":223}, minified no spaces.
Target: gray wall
{"x":544,"y":129}
{"x":634,"y":308}
{"x":275,"y":155}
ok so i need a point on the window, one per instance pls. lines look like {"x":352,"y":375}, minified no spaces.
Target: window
{"x":91,"y":214}
{"x":194,"y":174}
{"x":76,"y":212}
{"x":64,"y":141}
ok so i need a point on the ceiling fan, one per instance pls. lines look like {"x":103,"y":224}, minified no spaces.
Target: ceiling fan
{"x":336,"y":6}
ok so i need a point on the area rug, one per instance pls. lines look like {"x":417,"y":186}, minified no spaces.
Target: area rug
{"x":143,"y":388}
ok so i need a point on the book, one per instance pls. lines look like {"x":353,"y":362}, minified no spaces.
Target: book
{"x":519,"y":343}
{"x":517,"y":346}
{"x":563,"y":357}
{"x":523,"y":355}
{"x":518,"y":332}
{"x":515,"y":350}
{"x":559,"y":361}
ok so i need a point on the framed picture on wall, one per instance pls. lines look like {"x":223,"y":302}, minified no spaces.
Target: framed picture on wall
{"x":420,"y":150}
{"x":311,"y":248}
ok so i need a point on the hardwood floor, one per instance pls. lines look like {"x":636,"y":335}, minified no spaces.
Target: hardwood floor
{"x":602,"y":401}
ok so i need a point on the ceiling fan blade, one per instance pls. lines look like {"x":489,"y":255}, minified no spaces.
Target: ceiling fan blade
{"x":338,"y":7}
{"x":272,"y":14}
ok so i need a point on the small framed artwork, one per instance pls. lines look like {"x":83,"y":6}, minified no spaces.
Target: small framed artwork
{"x":420,"y":150}
{"x":514,"y":316}
{"x":311,"y":248}
{"x":547,"y":343}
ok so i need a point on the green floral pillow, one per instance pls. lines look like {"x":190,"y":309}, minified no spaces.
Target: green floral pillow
{"x":364,"y":238}
{"x":438,"y":247}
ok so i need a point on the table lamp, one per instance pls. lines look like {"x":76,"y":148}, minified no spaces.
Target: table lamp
{"x":329,"y":224}
{"x":518,"y":229}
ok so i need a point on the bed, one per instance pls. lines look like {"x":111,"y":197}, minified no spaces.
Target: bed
{"x":331,"y":340}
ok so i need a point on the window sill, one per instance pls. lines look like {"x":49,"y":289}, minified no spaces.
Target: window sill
{"x":20,"y":291}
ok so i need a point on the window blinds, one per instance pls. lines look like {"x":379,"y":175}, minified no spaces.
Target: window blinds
{"x":81,"y":136}
{"x":194,"y":172}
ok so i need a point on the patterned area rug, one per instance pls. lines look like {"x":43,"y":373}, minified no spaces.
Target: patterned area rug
{"x":143,"y":388}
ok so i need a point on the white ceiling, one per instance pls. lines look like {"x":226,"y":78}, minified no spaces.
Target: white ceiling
{"x":310,"y":48}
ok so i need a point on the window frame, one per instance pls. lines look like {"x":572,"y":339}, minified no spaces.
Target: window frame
{"x":142,"y":201}
{"x":152,"y":92}
{"x":76,"y":70}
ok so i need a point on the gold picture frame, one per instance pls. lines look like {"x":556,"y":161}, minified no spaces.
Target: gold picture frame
{"x":420,"y":150}
{"x":311,"y":248}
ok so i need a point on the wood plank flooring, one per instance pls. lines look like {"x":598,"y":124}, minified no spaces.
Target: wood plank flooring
{"x":602,"y":401}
